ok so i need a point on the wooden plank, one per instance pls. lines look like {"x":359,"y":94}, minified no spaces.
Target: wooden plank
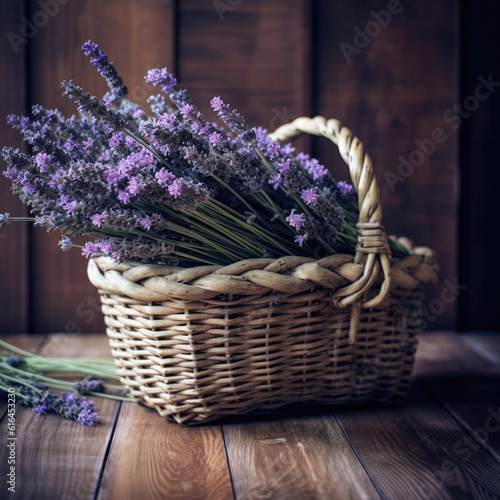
{"x":255,"y":55}
{"x":419,"y":451}
{"x":390,"y":93}
{"x":14,"y":237}
{"x":58,"y":458}
{"x":467,"y":384}
{"x":303,"y":457}
{"x":479,"y":144}
{"x":151,"y":458}
{"x":142,"y":38}
{"x":441,"y":354}
{"x":486,"y":345}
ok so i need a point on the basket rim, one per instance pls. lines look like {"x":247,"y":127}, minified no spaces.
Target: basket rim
{"x":290,"y":274}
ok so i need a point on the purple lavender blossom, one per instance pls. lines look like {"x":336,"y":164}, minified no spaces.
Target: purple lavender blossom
{"x":92,"y":105}
{"x":145,"y":222}
{"x":301,"y":238}
{"x":43,"y":161}
{"x":89,"y":384}
{"x":90,"y":249}
{"x":345,"y":188}
{"x":40,"y":409}
{"x":4,"y":219}
{"x":296,"y":220}
{"x":309,"y":196}
{"x":43,"y":404}
{"x":175,"y":189}
{"x":215,"y":139}
{"x":87,"y":417}
{"x":163,"y":78}
{"x":87,"y":144}
{"x":107,"y":69}
{"x":65,"y":243}
{"x":96,"y":220}
{"x":312,"y":166}
{"x":229,"y":116}
{"x":275,"y":181}
{"x":157,"y":104}
{"x":164,"y":177}
{"x":68,"y":204}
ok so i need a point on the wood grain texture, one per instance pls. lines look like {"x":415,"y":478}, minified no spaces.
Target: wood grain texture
{"x":141,"y":38}
{"x":255,"y":55}
{"x":58,"y":458}
{"x":418,"y":451}
{"x":151,"y":458}
{"x":14,"y":237}
{"x":297,"y":458}
{"x":486,"y":345}
{"x":390,"y":92}
{"x":466,"y":383}
{"x":442,"y":354}
{"x":479,"y":142}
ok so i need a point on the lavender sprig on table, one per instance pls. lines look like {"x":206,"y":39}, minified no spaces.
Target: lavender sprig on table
{"x":28,"y":375}
{"x":174,"y":187}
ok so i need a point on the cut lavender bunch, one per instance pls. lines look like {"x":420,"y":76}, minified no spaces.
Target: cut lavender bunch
{"x":27,"y":376}
{"x":174,"y":187}
{"x":37,"y":395}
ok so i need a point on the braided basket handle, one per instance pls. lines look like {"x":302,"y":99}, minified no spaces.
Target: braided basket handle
{"x":372,"y":239}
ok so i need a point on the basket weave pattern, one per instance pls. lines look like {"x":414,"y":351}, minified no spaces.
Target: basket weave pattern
{"x":210,"y":341}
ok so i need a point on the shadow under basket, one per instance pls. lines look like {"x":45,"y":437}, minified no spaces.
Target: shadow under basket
{"x":209,"y":342}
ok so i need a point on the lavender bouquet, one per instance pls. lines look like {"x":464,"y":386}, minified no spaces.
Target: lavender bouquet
{"x":171,"y":187}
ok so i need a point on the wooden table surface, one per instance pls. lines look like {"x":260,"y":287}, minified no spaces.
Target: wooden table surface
{"x":444,"y":443}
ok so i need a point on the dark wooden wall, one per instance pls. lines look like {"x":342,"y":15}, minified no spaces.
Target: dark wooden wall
{"x":273,"y":61}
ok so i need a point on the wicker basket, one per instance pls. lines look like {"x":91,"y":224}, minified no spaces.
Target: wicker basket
{"x":211,"y":341}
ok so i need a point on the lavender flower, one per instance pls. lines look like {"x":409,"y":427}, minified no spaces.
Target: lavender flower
{"x":92,"y":106}
{"x":301,"y":238}
{"x":65,"y":243}
{"x":107,"y":69}
{"x":89,"y":384}
{"x":157,"y":104}
{"x":312,"y":166}
{"x":345,"y":188}
{"x":75,"y":407}
{"x":309,"y":196}
{"x":88,"y":417}
{"x":296,"y":220}
{"x":4,"y":219}
{"x":229,"y":116}
{"x":163,"y":78}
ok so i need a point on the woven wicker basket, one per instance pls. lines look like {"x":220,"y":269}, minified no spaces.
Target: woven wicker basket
{"x":211,"y":341}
